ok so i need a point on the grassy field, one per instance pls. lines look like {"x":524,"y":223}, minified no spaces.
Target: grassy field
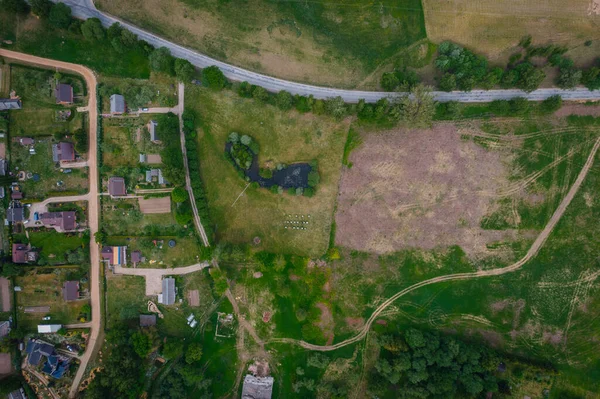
{"x":160,"y":89}
{"x":121,"y":146}
{"x":284,"y":137}
{"x":51,"y":177}
{"x":494,"y":28}
{"x":54,"y":246}
{"x":113,"y":212}
{"x":185,"y":253}
{"x":322,"y":42}
{"x":46,"y":290}
{"x":126,"y":298}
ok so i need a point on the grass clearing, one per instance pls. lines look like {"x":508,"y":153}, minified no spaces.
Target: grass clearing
{"x":44,"y":288}
{"x":55,"y":246}
{"x":322,"y":42}
{"x":284,"y":137}
{"x":186,"y":252}
{"x":126,"y":298}
{"x":124,"y":140}
{"x":494,"y":28}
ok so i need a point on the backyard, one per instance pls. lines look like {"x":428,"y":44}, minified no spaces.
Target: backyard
{"x":58,"y":248}
{"x":43,"y":177}
{"x":158,"y":91}
{"x":44,"y":288}
{"x":124,"y":140}
{"x":138,"y":223}
{"x":156,"y":250}
{"x":284,"y":137}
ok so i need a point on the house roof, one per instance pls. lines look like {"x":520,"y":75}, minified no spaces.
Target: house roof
{"x":136,"y":256}
{"x":63,"y":151}
{"x":152,"y":129}
{"x":36,"y":349}
{"x":116,"y":186}
{"x":3,"y":165}
{"x":63,"y":220}
{"x":168,"y":291}
{"x":117,"y":104}
{"x":56,"y":366}
{"x":23,"y":140}
{"x":19,"y":253}
{"x":4,"y":328}
{"x":257,"y":387}
{"x":10,"y":103}
{"x":147,"y":320}
{"x":63,"y":93}
{"x":115,"y":255}
{"x":15,"y":215}
{"x":16,"y":195}
{"x":71,"y":290}
{"x":18,"y":394}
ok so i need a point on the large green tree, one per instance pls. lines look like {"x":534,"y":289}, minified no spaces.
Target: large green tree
{"x":92,"y":29}
{"x":213,"y":77}
{"x":416,"y":109}
{"x":162,"y":61}
{"x":184,"y":70}
{"x":15,"y":6}
{"x":41,"y":8}
{"x":60,"y":15}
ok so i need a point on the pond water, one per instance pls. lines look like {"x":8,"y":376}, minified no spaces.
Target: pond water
{"x":292,"y":176}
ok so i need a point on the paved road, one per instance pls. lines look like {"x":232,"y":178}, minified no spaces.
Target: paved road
{"x":154,"y":276}
{"x":92,"y":197}
{"x":85,"y":9}
{"x":532,"y":252}
{"x":188,"y":181}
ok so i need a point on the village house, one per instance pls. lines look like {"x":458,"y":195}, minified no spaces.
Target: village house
{"x":117,"y":104}
{"x":116,"y":187}
{"x":116,"y":256}
{"x":63,"y":151}
{"x":136,"y":257}
{"x":70,"y":290}
{"x":10,"y":103}
{"x":155,"y":175}
{"x":22,"y":253}
{"x":63,"y":94}
{"x":24,"y":141}
{"x":49,"y":328}
{"x":15,"y":213}
{"x":168,"y":292}
{"x":3,"y":167}
{"x":60,"y":221}
{"x":4,"y":328}
{"x":152,"y":129}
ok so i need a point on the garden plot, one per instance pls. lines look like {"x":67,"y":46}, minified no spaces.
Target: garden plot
{"x":155,"y":205}
{"x":125,"y":139}
{"x":421,"y":188}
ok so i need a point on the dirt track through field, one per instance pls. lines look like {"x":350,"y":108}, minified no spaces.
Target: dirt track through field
{"x":532,"y":252}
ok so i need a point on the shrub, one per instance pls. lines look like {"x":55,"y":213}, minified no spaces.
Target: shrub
{"x":162,"y":61}
{"x":241,"y":155}
{"x":254,"y":147}
{"x":246,"y":140}
{"x":273,"y":189}
{"x":60,"y":15}
{"x":265,"y":173}
{"x":313,"y":178}
{"x":260,"y":94}
{"x":234,"y":137}
{"x":309,"y":192}
{"x":179,"y":195}
{"x":213,"y":77}
{"x":284,"y":100}
{"x":551,"y":104}
{"x":279,"y":190}
{"x":299,"y":191}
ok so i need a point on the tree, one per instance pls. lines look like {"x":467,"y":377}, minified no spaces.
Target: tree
{"x":260,"y":94}
{"x":162,"y":61}
{"x":529,"y":77}
{"x":15,"y":6}
{"x":447,"y":82}
{"x":179,"y":195}
{"x":418,"y":108}
{"x":184,"y":70}
{"x":591,"y":78}
{"x":10,"y":270}
{"x":41,"y":8}
{"x":81,"y":141}
{"x":551,"y":104}
{"x":284,"y":100}
{"x":213,"y":77}
{"x":172,"y":348}
{"x":336,"y":107}
{"x":92,"y":29}
{"x":193,"y":353}
{"x":568,"y":78}
{"x":313,"y":178}
{"x":100,"y":237}
{"x":60,"y":16}
{"x":389,"y":81}
{"x":141,"y":343}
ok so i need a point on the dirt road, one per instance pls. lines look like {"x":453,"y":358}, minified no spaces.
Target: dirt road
{"x":93,"y":202}
{"x":533,"y":250}
{"x":154,"y":276}
{"x":188,"y":181}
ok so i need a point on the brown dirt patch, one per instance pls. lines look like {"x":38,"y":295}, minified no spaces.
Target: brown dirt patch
{"x":2,"y":150}
{"x":153,"y":159}
{"x":326,"y":322}
{"x":193,"y":298}
{"x":419,"y":188}
{"x":37,"y":309}
{"x":492,"y":337}
{"x":155,"y":205}
{"x":553,"y":337}
{"x":578,"y":109}
{"x":5,"y":294}
{"x":5,"y":363}
{"x":355,"y":323}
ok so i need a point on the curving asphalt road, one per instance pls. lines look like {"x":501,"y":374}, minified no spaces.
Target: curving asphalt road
{"x":85,"y":9}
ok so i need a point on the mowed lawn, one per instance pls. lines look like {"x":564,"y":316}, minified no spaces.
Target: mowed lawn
{"x":494,"y":27}
{"x":325,"y":42}
{"x":46,"y":290}
{"x":283,"y":137}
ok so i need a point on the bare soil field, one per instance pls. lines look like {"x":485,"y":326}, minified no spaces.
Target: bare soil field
{"x":492,"y":27}
{"x":5,"y":294}
{"x":420,"y":189}
{"x":193,"y":298}
{"x":5,"y":363}
{"x":578,"y":109}
{"x":153,"y":158}
{"x":2,"y":150}
{"x":155,"y":205}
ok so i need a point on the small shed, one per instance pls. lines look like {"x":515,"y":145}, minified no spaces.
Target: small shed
{"x":49,"y":328}
{"x":136,"y":256}
{"x":152,"y":129}
{"x":117,"y":104}
{"x":10,"y":103}
{"x":168,"y":291}
{"x":147,"y":320}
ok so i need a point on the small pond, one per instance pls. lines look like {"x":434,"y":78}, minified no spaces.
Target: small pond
{"x":292,"y":176}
